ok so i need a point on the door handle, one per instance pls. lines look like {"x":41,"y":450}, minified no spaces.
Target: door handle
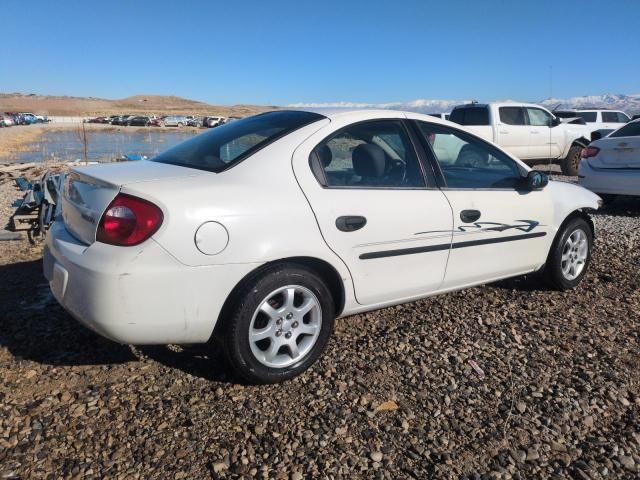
{"x":350,"y":223}
{"x":503,"y":132}
{"x":468,"y":216}
{"x":535,"y":132}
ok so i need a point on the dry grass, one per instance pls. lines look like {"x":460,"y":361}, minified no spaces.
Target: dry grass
{"x":138,"y":104}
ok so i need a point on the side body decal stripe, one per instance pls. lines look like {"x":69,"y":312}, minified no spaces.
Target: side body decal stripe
{"x":446,"y":246}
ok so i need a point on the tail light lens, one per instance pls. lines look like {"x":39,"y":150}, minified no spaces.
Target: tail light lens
{"x":128,"y":221}
{"x":590,"y":152}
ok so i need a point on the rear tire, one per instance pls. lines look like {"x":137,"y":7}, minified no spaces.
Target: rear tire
{"x":268,"y":336}
{"x":570,"y":255}
{"x":570,"y":163}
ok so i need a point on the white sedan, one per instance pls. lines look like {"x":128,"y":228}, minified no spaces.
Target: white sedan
{"x":260,"y":232}
{"x":611,"y":165}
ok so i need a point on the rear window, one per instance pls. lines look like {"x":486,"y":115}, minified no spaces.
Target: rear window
{"x":470,"y":116}
{"x":589,"y":117}
{"x":226,"y":145}
{"x":512,"y":115}
{"x":629,"y":130}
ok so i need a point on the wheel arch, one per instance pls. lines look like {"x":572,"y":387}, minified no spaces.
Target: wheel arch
{"x":324,"y":269}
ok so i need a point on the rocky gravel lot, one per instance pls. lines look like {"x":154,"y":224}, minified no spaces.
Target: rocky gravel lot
{"x":509,"y":380}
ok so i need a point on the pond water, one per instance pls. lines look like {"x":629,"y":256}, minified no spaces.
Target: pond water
{"x":103,"y":145}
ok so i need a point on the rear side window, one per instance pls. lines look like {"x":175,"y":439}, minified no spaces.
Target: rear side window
{"x":470,"y":115}
{"x":512,"y":115}
{"x":589,"y":117}
{"x":226,"y":145}
{"x":629,"y":130}
{"x":370,"y":154}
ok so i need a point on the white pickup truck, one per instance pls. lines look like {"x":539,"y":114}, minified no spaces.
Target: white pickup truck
{"x":528,"y":131}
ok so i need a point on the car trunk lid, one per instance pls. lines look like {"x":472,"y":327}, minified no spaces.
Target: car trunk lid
{"x":617,"y":152}
{"x":88,"y":191}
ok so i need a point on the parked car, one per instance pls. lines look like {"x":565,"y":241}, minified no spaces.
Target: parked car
{"x":156,"y":121}
{"x":138,"y":121}
{"x":528,"y":131}
{"x":175,"y":121}
{"x":122,"y":120}
{"x":344,"y":233}
{"x":611,"y":165}
{"x":598,"y":119}
{"x":6,"y":120}
{"x":194,"y":121}
{"x":211,"y":122}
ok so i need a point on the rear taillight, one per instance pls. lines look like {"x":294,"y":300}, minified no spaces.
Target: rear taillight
{"x":128,"y":221}
{"x":590,"y":152}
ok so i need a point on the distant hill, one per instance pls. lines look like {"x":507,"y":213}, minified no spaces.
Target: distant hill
{"x":137,"y":104}
{"x":628,"y":103}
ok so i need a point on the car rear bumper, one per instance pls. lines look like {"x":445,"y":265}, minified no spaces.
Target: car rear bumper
{"x":136,"y":295}
{"x":614,"y":181}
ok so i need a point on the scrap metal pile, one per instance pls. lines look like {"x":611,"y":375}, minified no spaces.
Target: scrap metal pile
{"x":37,"y":207}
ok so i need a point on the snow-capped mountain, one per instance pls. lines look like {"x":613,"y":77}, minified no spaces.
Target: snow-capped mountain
{"x":627,"y":103}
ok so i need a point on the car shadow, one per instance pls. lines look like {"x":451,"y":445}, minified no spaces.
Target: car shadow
{"x":621,"y":207}
{"x":527,"y":283}
{"x":204,"y":361}
{"x":34,"y":327}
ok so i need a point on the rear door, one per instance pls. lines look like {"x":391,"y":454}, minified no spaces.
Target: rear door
{"x":499,"y":230}
{"x":377,"y":207}
{"x":513,"y":133}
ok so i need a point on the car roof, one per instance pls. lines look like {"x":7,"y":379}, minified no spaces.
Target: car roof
{"x":356,"y":115}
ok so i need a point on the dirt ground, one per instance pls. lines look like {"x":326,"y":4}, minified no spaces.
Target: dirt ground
{"x":508,"y":380}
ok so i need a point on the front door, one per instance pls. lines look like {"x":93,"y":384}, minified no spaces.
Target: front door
{"x":374,"y":203}
{"x":499,"y":230}
{"x":512,"y":132}
{"x":544,"y":140}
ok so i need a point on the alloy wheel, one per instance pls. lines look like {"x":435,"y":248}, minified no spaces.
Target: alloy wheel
{"x":285,"y":326}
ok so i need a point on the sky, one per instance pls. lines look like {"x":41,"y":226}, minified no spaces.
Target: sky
{"x":275,"y":52}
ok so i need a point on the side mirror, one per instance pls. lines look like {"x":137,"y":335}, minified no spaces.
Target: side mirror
{"x":555,"y":121}
{"x":536,"y":180}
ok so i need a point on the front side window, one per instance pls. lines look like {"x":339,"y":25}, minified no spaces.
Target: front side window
{"x":614,"y":117}
{"x":629,"y":130}
{"x":512,"y":115}
{"x":538,"y":117}
{"x":370,"y":154}
{"x":224,"y":146}
{"x":467,"y":162}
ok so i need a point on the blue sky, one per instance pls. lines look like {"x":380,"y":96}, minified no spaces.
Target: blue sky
{"x":279,"y":52}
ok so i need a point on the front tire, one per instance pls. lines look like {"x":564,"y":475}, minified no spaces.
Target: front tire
{"x":570,"y":163}
{"x":570,"y":255}
{"x":279,"y":325}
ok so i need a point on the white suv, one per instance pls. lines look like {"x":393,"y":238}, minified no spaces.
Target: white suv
{"x":598,"y":119}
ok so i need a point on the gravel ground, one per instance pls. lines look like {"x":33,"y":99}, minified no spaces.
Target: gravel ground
{"x":509,"y":380}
